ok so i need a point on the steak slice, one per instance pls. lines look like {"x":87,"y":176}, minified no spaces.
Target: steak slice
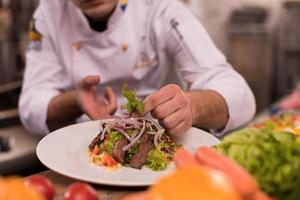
{"x":139,"y":159}
{"x":118,"y":153}
{"x":95,"y":142}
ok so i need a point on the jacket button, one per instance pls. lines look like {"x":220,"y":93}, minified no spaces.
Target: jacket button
{"x":125,"y":47}
{"x":77,"y":46}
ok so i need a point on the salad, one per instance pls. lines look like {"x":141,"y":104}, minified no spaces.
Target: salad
{"x":272,"y":157}
{"x":285,"y":122}
{"x":132,"y":141}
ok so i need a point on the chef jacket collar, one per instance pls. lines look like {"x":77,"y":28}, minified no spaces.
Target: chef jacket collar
{"x":82,"y":29}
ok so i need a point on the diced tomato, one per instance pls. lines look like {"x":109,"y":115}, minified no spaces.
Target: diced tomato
{"x":96,"y":150}
{"x":294,"y":118}
{"x":260,"y":125}
{"x":110,"y":161}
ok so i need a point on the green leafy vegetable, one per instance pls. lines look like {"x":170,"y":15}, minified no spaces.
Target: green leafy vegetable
{"x":158,"y":159}
{"x":133,"y":104}
{"x":272,"y":157}
{"x":133,"y":150}
{"x":269,"y":125}
{"x":109,"y":143}
{"x":130,"y":132}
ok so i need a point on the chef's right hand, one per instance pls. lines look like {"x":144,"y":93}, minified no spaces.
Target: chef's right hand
{"x":91,"y":103}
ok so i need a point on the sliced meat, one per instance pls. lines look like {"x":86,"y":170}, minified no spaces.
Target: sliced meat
{"x":95,"y":142}
{"x":97,"y":139}
{"x":118,"y":153}
{"x":139,"y":159}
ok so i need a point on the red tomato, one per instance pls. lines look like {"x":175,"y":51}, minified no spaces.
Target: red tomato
{"x":80,"y":191}
{"x":42,"y":185}
{"x":110,"y":161}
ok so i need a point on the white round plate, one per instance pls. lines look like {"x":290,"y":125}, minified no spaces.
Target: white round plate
{"x":65,"y":152}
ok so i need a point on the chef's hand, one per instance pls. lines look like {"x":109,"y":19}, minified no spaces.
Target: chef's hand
{"x":95,"y":106}
{"x":84,"y":99}
{"x":172,"y":108}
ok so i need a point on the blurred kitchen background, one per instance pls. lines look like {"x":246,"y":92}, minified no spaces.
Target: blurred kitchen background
{"x":261,"y":39}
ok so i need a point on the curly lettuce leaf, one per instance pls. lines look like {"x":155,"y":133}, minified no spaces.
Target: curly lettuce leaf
{"x":157,"y":159}
{"x":133,"y":103}
{"x":109,"y":143}
{"x":272,"y":157}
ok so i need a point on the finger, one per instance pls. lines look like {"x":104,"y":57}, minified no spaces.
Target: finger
{"x":164,"y":94}
{"x":178,"y":122}
{"x":111,"y":98}
{"x":172,"y":120}
{"x":183,"y":158}
{"x":89,"y":82}
{"x":169,"y":107}
{"x":181,"y":128}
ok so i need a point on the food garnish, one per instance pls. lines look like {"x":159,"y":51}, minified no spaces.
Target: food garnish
{"x":133,"y":104}
{"x":132,"y":141}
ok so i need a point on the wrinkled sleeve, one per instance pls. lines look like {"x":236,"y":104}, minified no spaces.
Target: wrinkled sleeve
{"x":202,"y":66}
{"x":42,"y":79}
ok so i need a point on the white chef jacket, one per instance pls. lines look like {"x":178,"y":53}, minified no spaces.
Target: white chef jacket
{"x":142,"y":45}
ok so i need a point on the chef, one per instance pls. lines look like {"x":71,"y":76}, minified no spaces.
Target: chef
{"x":82,"y":51}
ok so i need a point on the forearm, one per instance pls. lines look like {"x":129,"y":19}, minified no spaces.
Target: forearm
{"x":209,"y":109}
{"x":63,"y":110}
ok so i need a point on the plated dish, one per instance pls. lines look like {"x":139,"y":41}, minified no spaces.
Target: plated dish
{"x":140,"y":144}
{"x":65,"y":151}
{"x":132,"y":142}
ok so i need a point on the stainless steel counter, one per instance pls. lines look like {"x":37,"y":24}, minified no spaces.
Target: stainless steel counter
{"x":22,"y":149}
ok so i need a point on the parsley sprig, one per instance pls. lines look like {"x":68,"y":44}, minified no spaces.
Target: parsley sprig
{"x":133,"y":104}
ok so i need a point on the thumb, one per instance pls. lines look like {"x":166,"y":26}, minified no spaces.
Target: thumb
{"x":89,"y":81}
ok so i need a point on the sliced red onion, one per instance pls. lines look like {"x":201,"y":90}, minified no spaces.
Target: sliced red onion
{"x":106,"y":129}
{"x":157,"y":126}
{"x":120,"y":124}
{"x":129,"y":127}
{"x":134,"y":122}
{"x":157,"y":137}
{"x":130,"y":121}
{"x":135,"y":133}
{"x":136,"y":139}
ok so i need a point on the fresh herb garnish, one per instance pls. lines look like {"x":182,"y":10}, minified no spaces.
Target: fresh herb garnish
{"x":133,"y":103}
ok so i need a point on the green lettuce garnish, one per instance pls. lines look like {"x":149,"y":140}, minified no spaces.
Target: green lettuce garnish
{"x":157,"y":159}
{"x":133,"y":103}
{"x":269,"y":125}
{"x":133,"y":150}
{"x":272,"y":157}
{"x":108,"y":144}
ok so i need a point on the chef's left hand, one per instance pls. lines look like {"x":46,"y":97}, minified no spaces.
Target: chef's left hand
{"x":172,"y":108}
